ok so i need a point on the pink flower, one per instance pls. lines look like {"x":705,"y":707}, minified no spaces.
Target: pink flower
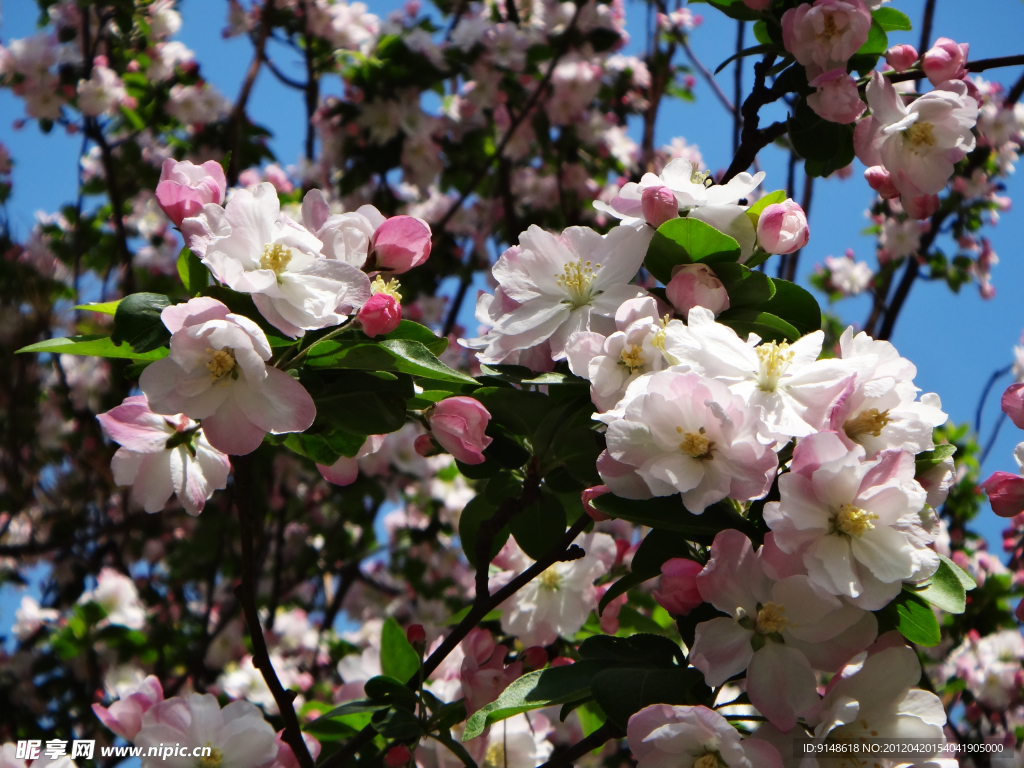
{"x":458,"y":424}
{"x":1006,"y":493}
{"x":659,"y":204}
{"x":345,"y":470}
{"x":678,"y":593}
{"x":163,"y":455}
{"x":286,"y":757}
{"x":588,"y":496}
{"x":1012,"y":404}
{"x":484,"y":675}
{"x":276,"y":176}
{"x":945,"y":61}
{"x":185,"y":188}
{"x":837,"y":99}
{"x":695,"y":285}
{"x":880,"y":180}
{"x":380,"y":314}
{"x":901,"y":57}
{"x":782,"y":228}
{"x":124,"y":716}
{"x":217,"y":372}
{"x":920,"y":206}
{"x":826,"y":34}
{"x":401,"y":243}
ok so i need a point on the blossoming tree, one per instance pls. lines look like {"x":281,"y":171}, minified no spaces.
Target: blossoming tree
{"x":657,"y":507}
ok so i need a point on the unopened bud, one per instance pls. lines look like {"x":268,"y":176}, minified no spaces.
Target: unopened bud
{"x":534,"y":657}
{"x":416,"y":635}
{"x":922,"y":207}
{"x":659,"y":205}
{"x":397,"y":756}
{"x":901,"y":57}
{"x":880,"y":180}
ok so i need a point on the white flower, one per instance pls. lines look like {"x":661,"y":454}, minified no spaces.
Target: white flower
{"x":197,"y":104}
{"x":787,"y":382}
{"x":990,"y":666}
{"x":245,"y":681}
{"x":102,"y":92}
{"x":900,"y":238}
{"x":918,"y":144}
{"x":256,"y":249}
{"x":562,"y":285}
{"x":559,"y":600}
{"x":29,"y":618}
{"x":848,"y":276}
{"x":117,"y":595}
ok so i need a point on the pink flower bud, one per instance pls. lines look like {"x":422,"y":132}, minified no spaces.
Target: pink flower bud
{"x":1012,"y":404}
{"x":880,"y":180}
{"x":380,"y":314}
{"x":922,"y":207}
{"x":659,"y":205}
{"x":533,"y":658}
{"x":677,"y":592}
{"x":185,"y":188}
{"x":397,"y":756}
{"x":837,"y":98}
{"x":1005,"y":493}
{"x":250,"y":177}
{"x":901,"y":57}
{"x":695,"y":285}
{"x":783,"y":228}
{"x":276,"y":176}
{"x":416,"y":634}
{"x":757,"y":5}
{"x":588,"y":497}
{"x":458,"y":424}
{"x":945,"y":61}
{"x":401,"y":243}
{"x":424,"y":445}
{"x":124,"y":717}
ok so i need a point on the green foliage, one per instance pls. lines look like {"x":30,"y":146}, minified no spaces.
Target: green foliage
{"x":687,"y":241}
{"x":913,"y":617}
{"x":398,"y":659}
{"x":668,"y":513}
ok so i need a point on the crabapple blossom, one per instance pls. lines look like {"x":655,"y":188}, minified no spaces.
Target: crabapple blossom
{"x":878,"y":408}
{"x":920,"y":206}
{"x":823,"y":36}
{"x":677,"y":592}
{"x":901,"y":57}
{"x":696,"y":285}
{"x":945,"y":61}
{"x":664,"y":736}
{"x":345,"y":237}
{"x":880,"y":180}
{"x":345,"y":470}
{"x":782,"y":228}
{"x":855,"y":523}
{"x":991,"y":666}
{"x":1012,"y":403}
{"x":559,"y":285}
{"x":779,"y":627}
{"x":690,"y":434}
{"x":124,"y":716}
{"x":522,"y":741}
{"x":786,"y":382}
{"x":216,"y":372}
{"x":252,"y":248}
{"x":401,"y":243}
{"x":116,"y":594}
{"x":658,"y":205}
{"x":919,"y":143}
{"x":382,"y":312}
{"x":185,"y":188}
{"x":836,"y":98}
{"x":458,"y":424}
{"x":1006,"y":490}
{"x":102,"y":93}
{"x":30,"y":617}
{"x":611,"y":363}
{"x":847,"y":276}
{"x":483,"y":674}
{"x":163,"y":455}
{"x":237,"y":734}
{"x":559,"y":600}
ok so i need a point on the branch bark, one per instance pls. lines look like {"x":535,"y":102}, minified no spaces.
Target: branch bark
{"x":605,"y":733}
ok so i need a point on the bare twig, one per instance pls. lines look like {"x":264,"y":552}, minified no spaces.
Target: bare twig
{"x":238,"y":112}
{"x":972,"y":66}
{"x":605,"y":733}
{"x":737,"y":87}
{"x":754,"y":138}
{"x":709,"y":78}
{"x":926,"y":25}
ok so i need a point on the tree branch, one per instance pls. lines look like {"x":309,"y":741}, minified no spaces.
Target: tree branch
{"x":709,"y":78}
{"x":737,"y":87}
{"x":754,"y":138}
{"x":246,"y":594}
{"x":238,"y":112}
{"x":972,"y":66}
{"x":605,"y":733}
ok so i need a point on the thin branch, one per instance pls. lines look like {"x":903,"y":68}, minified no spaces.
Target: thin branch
{"x":709,"y":78}
{"x":282,"y":77}
{"x":1015,"y":92}
{"x":95,"y":133}
{"x":564,"y":550}
{"x":605,"y":733}
{"x":926,"y":25}
{"x":996,"y":375}
{"x":737,"y":86}
{"x":992,"y":440}
{"x":754,"y":138}
{"x":238,"y":112}
{"x":972,"y":66}
{"x":246,"y":594}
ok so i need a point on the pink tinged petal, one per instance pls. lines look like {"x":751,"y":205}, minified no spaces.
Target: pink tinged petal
{"x":733,"y":577}
{"x":781,"y":684}
{"x":885,"y":552}
{"x":1005,"y":493}
{"x":123,"y":718}
{"x":268,"y":308}
{"x":135,"y":427}
{"x":832,"y":553}
{"x":193,"y":312}
{"x":342,"y":472}
{"x":401,"y":243}
{"x":315,"y":210}
{"x":762,"y":754}
{"x":1012,"y":404}
{"x":621,"y":478}
{"x":278,"y":404}
{"x":721,"y":649}
{"x":154,"y":484}
{"x":229,"y":430}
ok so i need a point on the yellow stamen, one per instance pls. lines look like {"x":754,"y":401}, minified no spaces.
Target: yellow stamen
{"x":494,"y":757}
{"x":869,"y":422}
{"x":550,"y":580}
{"x":920,"y":134}
{"x":771,"y":619}
{"x":390,"y":287}
{"x":853,"y":521}
{"x":632,"y":357}
{"x":695,"y":444}
{"x":221,"y":363}
{"x":702,"y":178}
{"x":275,"y":257}
{"x":576,"y":280}
{"x":213,"y":760}
{"x":830,"y":30}
{"x":709,"y":760}
{"x":774,"y":360}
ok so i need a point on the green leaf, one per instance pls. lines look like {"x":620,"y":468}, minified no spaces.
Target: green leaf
{"x":479,"y":509}
{"x":668,"y":513}
{"x":766,"y":325}
{"x":518,"y":411}
{"x":398,"y":355}
{"x":359,"y":402}
{"x":686,"y":241}
{"x":398,"y":659}
{"x":325,"y":447}
{"x":539,"y":526}
{"x":928,"y":460}
{"x":108,"y":308}
{"x":795,"y":305}
{"x":891,"y":20}
{"x":761,"y":32}
{"x":390,"y":692}
{"x":877,"y":42}
{"x":734,"y":9}
{"x":137,"y":321}
{"x":193,"y":273}
{"x":772,"y":198}
{"x":965,"y":578}
{"x":657,"y":548}
{"x":944,"y":589}
{"x":769,"y":47}
{"x":744,"y":286}
{"x":815,"y":138}
{"x":914,"y":619}
{"x":543,"y":688}
{"x":92,"y":346}
{"x":624,"y":691}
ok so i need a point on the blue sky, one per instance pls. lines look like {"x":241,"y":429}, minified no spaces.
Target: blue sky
{"x":955,"y":341}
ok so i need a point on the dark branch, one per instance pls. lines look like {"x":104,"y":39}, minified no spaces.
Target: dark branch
{"x":238,"y":112}
{"x":972,"y":66}
{"x":605,"y":733}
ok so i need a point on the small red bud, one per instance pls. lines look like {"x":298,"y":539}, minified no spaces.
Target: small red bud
{"x":397,"y":756}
